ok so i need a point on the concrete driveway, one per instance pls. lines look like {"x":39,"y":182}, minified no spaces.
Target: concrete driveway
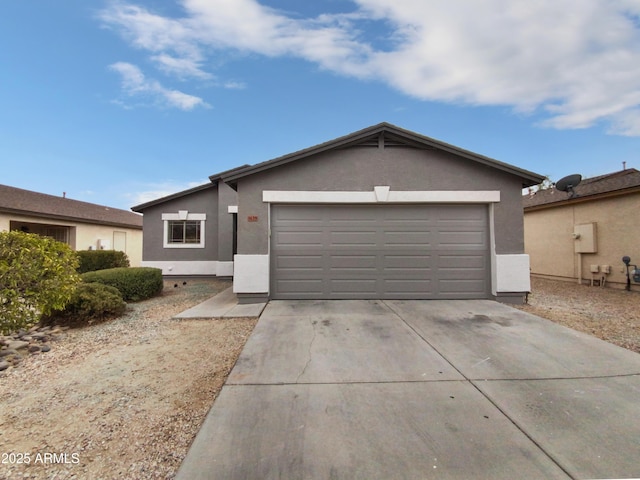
{"x":419,"y":390}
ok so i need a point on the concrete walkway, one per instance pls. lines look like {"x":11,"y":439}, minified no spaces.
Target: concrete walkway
{"x":418,"y":390}
{"x":223,"y":305}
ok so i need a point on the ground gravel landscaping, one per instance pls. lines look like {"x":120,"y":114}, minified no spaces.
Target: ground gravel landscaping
{"x":120,"y":399}
{"x":607,"y":313}
{"x":125,"y":398}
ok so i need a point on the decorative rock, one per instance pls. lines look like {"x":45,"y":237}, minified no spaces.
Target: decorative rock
{"x":17,"y":344}
{"x":4,"y":365}
{"x":16,"y":347}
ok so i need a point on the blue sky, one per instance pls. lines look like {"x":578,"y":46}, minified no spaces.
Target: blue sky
{"x":118,"y":102}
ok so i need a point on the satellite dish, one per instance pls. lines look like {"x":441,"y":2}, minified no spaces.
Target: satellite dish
{"x":567,"y":184}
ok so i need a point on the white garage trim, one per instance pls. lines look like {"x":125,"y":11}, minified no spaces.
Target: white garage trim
{"x":381,"y":194}
{"x":512,"y":273}
{"x":251,"y":274}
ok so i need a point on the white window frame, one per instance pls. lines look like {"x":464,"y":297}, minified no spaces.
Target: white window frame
{"x":183,"y":215}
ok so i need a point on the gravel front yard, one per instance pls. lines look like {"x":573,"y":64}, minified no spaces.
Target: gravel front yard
{"x":125,"y":398}
{"x":610,"y":314}
{"x":122,"y":399}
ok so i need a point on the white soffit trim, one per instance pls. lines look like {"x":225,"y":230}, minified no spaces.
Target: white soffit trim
{"x":184,"y":216}
{"x":381,"y":196}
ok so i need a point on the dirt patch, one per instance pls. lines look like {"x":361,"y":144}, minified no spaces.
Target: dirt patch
{"x":607,"y":313}
{"x":123,"y":399}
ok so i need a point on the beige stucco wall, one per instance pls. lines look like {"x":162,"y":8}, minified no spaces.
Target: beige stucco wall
{"x":549,"y":242}
{"x":84,"y":235}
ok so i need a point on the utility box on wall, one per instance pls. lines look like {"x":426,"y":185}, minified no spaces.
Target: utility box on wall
{"x":585,"y":238}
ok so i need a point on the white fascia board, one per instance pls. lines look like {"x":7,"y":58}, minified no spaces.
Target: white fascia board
{"x":381,"y":196}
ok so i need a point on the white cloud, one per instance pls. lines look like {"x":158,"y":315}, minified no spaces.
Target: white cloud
{"x":575,"y":62}
{"x":153,"y":191}
{"x":181,"y":67}
{"x":134,"y":83}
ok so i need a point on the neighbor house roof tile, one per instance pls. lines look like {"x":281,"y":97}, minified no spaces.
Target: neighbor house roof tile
{"x":25,"y":202}
{"x":617,"y":182}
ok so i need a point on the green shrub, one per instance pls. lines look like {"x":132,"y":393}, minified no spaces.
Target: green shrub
{"x":134,"y":284}
{"x":37,"y":275}
{"x":90,"y":303}
{"x":92,"y":260}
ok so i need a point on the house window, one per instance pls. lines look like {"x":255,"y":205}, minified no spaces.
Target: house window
{"x":184,"y":229}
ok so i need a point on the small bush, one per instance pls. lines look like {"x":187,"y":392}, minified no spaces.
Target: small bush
{"x":134,"y":284}
{"x":90,"y":303}
{"x":37,"y":276}
{"x":93,"y":260}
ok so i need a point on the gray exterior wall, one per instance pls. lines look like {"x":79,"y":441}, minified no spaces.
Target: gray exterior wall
{"x":362,"y":168}
{"x":226,"y":197}
{"x":204,"y":201}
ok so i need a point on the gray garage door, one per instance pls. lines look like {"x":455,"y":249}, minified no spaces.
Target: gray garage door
{"x":372,"y":251}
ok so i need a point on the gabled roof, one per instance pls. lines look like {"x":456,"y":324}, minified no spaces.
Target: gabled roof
{"x":617,"y":183}
{"x":215,"y":178}
{"x":25,"y":202}
{"x":386,"y":135}
{"x":173,"y":196}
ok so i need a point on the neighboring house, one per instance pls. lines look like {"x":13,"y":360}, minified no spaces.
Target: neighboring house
{"x":566,"y":235}
{"x":380,"y":213}
{"x":83,"y":226}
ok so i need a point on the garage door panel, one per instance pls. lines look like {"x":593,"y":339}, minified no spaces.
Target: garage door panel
{"x":460,"y":239}
{"x":299,"y":262}
{"x":345,"y":262}
{"x":353,"y":285}
{"x":407,"y":286}
{"x":407,"y":238}
{"x":301,"y":238}
{"x":380,"y":251}
{"x":351,"y":238}
{"x":461,"y":261}
{"x":407,"y":262}
{"x":296,"y":287}
{"x":460,"y":286}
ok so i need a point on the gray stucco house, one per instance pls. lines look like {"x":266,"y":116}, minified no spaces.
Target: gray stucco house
{"x":380,"y":213}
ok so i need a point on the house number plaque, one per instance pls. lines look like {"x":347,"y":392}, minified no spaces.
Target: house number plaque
{"x":252,"y":218}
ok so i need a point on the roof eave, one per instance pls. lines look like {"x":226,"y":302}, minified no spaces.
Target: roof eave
{"x":140,"y":208}
{"x":528,"y":178}
{"x":67,"y":218}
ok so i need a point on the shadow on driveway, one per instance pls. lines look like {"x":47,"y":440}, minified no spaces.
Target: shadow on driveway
{"x":360,"y":389}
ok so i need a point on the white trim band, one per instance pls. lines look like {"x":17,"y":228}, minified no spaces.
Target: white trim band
{"x":184,"y":215}
{"x":382,"y":195}
{"x":197,"y":267}
{"x":251,"y":274}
